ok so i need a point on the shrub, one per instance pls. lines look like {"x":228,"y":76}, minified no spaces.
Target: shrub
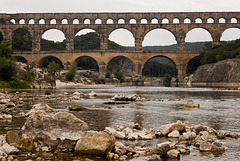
{"x":8,"y":69}
{"x":72,"y":72}
{"x":17,"y":84}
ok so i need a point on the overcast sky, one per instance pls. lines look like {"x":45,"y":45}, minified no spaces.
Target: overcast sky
{"x":123,"y":37}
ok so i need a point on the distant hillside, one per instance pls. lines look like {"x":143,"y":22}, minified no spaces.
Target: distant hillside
{"x":195,"y":46}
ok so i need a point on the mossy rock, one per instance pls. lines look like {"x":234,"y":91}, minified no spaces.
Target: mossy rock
{"x":26,"y":145}
{"x":95,"y":143}
{"x":76,"y":108}
{"x":13,"y":136}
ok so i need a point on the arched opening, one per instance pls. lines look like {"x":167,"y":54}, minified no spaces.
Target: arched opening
{"x":98,"y":21}
{"x":53,"y":21}
{"x":159,"y":67}
{"x":41,"y":21}
{"x":13,"y":21}
{"x":121,"y":64}
{"x":86,"y":22}
{"x":52,"y":40}
{"x":230,"y":34}
{"x":193,"y":64}
{"x":121,"y":21}
{"x":144,"y":21}
{"x":159,"y":39}
{"x":233,"y":20}
{"x":176,"y":21}
{"x":22,"y":21}
{"x":154,"y":21}
{"x":45,"y":61}
{"x":197,"y":38}
{"x":76,"y":21}
{"x":20,"y":59}
{"x":87,"y":63}
{"x":87,"y":39}
{"x":165,"y":21}
{"x":221,"y":20}
{"x":132,"y":21}
{"x":122,"y":38}
{"x":1,"y":37}
{"x":187,"y":20}
{"x":31,"y":21}
{"x":210,"y":20}
{"x":198,"y":20}
{"x":21,"y":40}
{"x":109,"y":21}
{"x":64,"y":21}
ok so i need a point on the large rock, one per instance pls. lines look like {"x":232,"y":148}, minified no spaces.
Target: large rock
{"x":59,"y":129}
{"x":13,"y":136}
{"x":96,"y":143}
{"x":8,"y":149}
{"x":209,"y":73}
{"x":174,"y":154}
{"x":27,"y":145}
{"x":162,"y":148}
{"x":120,"y":149}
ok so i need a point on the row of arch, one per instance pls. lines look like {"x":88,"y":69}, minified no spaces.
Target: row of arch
{"x":123,"y":21}
{"x":167,"y":34}
{"x":92,"y":63}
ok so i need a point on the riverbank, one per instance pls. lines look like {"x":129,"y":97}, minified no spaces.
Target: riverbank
{"x":162,"y":106}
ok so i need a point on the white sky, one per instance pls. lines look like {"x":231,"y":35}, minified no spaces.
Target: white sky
{"x":123,"y":37}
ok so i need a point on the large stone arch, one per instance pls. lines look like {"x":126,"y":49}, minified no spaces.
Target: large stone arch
{"x":229,"y":28}
{"x":121,"y":28}
{"x":158,"y":28}
{"x":92,"y":30}
{"x":163,"y":71}
{"x":55,"y":27}
{"x":23,"y":34}
{"x":21,"y":59}
{"x":85,"y":56}
{"x":130,"y":67}
{"x":210,"y":31}
{"x":48,"y":58}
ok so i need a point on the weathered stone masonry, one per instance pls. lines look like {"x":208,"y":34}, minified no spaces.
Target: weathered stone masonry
{"x":139,"y":24}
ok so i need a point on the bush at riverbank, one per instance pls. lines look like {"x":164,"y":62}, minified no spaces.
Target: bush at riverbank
{"x":14,"y":84}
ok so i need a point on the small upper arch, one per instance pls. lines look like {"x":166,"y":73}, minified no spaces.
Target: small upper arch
{"x":143,"y":21}
{"x":53,"y":21}
{"x":41,"y":21}
{"x":98,"y":21}
{"x":86,"y":21}
{"x":234,"y":20}
{"x":187,"y":20}
{"x":210,"y":20}
{"x":132,"y":21}
{"x":165,"y":21}
{"x":75,"y":21}
{"x":154,"y":21}
{"x":198,"y":20}
{"x":121,"y":21}
{"x":176,"y":21}
{"x":109,"y":21}
{"x":31,"y":21}
{"x":22,"y":21}
{"x":64,"y":21}
{"x":222,"y":20}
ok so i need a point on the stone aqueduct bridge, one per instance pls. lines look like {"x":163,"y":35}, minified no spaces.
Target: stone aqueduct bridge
{"x":139,"y":24}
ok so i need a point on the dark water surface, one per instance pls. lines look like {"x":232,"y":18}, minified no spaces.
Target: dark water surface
{"x":219,"y":109}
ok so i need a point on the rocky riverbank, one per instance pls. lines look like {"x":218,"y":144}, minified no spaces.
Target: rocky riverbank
{"x":223,"y":74}
{"x":47,"y":132}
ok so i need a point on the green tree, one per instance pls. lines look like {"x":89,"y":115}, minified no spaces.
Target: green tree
{"x":8,"y":67}
{"x":72,"y":72}
{"x":5,"y":50}
{"x":22,"y":40}
{"x":54,"y":69}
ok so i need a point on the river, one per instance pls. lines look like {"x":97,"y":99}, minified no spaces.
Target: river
{"x":219,"y":109}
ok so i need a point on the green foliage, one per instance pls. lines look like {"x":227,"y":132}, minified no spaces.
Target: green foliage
{"x":226,"y":50}
{"x":5,"y":50}
{"x":167,"y":80}
{"x":8,"y":69}
{"x":154,"y":68}
{"x":89,"y":41}
{"x":17,"y":84}
{"x":28,"y":76}
{"x":47,"y":45}
{"x":71,"y":72}
{"x":118,"y":75}
{"x":22,"y":40}
{"x":87,"y":63}
{"x":54,"y":69}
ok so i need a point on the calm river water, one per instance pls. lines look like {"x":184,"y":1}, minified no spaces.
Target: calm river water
{"x":219,"y":109}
